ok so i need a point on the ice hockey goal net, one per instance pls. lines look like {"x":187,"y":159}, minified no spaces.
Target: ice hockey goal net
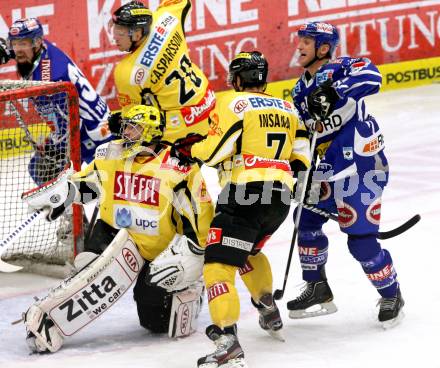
{"x":39,"y":135}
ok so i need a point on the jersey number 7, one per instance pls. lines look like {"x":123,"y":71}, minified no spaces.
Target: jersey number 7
{"x":276,"y":137}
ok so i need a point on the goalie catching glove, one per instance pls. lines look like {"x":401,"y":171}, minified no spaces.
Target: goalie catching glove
{"x":56,"y":195}
{"x":179,"y":266}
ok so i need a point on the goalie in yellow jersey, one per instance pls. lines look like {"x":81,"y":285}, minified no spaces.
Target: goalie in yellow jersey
{"x":158,"y":70}
{"x":255,"y":141}
{"x":154,"y":220}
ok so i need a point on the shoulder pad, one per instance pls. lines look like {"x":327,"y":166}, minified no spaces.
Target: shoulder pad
{"x":109,"y":151}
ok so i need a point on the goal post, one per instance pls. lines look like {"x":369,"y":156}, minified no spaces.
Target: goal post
{"x":39,"y":135}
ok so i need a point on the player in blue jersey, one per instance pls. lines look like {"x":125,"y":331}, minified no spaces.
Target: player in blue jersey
{"x":39,"y":60}
{"x":350,"y":174}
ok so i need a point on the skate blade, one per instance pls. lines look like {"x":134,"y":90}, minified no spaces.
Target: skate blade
{"x":386,"y":325}
{"x":233,"y":363}
{"x":324,"y":309}
{"x":277,"y":335}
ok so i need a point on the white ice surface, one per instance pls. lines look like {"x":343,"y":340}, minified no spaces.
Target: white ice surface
{"x":350,"y":338}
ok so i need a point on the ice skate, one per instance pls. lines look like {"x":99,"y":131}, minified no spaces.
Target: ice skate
{"x":315,"y":300}
{"x":270,"y":319}
{"x":228,"y":353}
{"x":390,"y":310}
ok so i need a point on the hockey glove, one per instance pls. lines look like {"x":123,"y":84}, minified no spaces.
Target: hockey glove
{"x":114,"y":124}
{"x":57,"y":195}
{"x":181,"y":148}
{"x":321,"y":102}
{"x":178,"y":266}
{"x":5,"y":53}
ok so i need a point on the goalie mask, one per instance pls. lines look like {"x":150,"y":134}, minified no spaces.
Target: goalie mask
{"x":140,"y":126}
{"x":251,"y":67}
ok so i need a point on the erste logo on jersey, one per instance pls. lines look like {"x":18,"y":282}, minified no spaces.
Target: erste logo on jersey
{"x":172,"y":163}
{"x":136,"y":188}
{"x":270,"y":102}
{"x":157,"y":39}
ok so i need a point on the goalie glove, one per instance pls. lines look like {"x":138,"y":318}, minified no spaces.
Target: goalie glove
{"x":55,"y":195}
{"x":178,"y":266}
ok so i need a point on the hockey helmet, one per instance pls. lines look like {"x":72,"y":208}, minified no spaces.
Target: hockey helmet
{"x":133,"y":15}
{"x":252,"y":67}
{"x":322,"y":33}
{"x":147,"y":120}
{"x":25,"y":28}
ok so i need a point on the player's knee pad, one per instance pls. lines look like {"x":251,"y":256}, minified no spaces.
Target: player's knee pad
{"x":257,"y":275}
{"x":80,"y":299}
{"x":223,"y":300}
{"x":363,"y":247}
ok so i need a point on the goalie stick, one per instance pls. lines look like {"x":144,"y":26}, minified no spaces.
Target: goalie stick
{"x":17,"y":233}
{"x":382,"y":235}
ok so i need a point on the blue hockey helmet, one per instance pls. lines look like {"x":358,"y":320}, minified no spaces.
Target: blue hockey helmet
{"x":25,"y":28}
{"x":322,"y":33}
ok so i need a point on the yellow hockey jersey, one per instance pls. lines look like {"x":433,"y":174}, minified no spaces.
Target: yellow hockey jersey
{"x":253,"y":137}
{"x":153,"y":197}
{"x":160,"y":73}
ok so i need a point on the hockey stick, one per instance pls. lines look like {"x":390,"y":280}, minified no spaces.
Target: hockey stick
{"x":17,"y":233}
{"x":278,"y":293}
{"x":382,"y":235}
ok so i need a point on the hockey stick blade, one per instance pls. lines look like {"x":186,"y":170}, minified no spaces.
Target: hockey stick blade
{"x":14,"y":235}
{"x":400,"y":229}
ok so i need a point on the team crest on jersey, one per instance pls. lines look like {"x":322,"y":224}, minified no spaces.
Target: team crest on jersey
{"x":347,"y":152}
{"x":323,"y":76}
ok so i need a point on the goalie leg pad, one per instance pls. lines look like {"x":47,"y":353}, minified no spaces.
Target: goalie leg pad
{"x":185,"y":309}
{"x":153,"y":303}
{"x":80,"y":299}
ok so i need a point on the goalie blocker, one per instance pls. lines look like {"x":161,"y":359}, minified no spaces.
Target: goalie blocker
{"x":82,"y":298}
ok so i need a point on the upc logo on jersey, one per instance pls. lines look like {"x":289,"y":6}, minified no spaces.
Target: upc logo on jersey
{"x":195,"y":114}
{"x":172,"y":163}
{"x":123,"y":217}
{"x":136,"y":188}
{"x":157,"y":39}
{"x":137,"y":219}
